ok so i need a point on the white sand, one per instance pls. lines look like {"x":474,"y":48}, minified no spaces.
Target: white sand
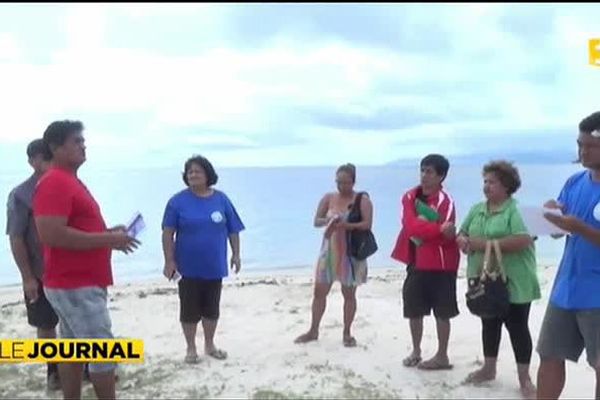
{"x":260,"y":317}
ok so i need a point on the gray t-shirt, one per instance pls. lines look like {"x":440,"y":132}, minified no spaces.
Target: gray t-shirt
{"x":20,"y":222}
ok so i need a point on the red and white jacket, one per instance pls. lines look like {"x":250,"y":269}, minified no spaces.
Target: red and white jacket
{"x":436,"y":253}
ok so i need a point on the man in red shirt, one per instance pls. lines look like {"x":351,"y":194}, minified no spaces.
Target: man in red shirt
{"x":427,"y":245}
{"x":77,"y":254}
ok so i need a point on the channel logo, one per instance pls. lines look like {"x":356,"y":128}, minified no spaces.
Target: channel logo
{"x":71,"y":350}
{"x":594,"y":52}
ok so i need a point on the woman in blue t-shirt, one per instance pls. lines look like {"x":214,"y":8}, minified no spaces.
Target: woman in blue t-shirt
{"x":197,"y":224}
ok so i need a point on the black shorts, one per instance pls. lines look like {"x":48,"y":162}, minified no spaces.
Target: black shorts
{"x":198,"y":299}
{"x":426,"y":290}
{"x":40,"y":313}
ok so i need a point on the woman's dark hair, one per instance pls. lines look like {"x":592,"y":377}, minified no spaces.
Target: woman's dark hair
{"x":348,"y":168}
{"x":211,"y":175}
{"x":507,"y":174}
{"x":57,"y":133}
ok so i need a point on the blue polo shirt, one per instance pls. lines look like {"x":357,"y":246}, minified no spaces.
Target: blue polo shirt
{"x":577,"y":283}
{"x":202,"y":226}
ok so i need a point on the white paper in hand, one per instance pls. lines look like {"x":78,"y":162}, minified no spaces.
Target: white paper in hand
{"x":176,"y":277}
{"x":136,"y":225}
{"x":537,"y":224}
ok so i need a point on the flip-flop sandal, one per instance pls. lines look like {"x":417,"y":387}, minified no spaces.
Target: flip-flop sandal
{"x":218,"y":354}
{"x":411,"y":361}
{"x":434,"y":366}
{"x":350,"y":341}
{"x":191,"y":359}
{"x":528,"y":393}
{"x":305,"y":338}
{"x":472,"y":379}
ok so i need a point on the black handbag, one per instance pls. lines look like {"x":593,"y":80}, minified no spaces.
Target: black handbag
{"x":362,"y":243}
{"x":487,"y":295}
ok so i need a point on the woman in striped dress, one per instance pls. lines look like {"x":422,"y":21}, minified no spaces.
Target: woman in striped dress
{"x":335,"y":262}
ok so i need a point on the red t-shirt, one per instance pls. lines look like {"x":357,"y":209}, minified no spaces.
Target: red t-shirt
{"x":60,"y":193}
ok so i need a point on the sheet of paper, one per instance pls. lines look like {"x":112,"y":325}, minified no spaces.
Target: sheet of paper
{"x":536,"y":224}
{"x":136,"y":225}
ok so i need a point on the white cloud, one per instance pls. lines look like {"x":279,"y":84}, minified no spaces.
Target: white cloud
{"x":174,"y":10}
{"x":266,"y":96}
{"x":10,"y":51}
{"x":85,"y":26}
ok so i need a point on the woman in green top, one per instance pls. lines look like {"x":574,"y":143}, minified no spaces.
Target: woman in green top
{"x":498,"y":218}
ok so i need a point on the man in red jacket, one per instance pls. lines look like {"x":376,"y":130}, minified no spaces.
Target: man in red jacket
{"x":426,"y":244}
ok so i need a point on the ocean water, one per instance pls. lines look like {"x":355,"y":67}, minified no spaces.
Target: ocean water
{"x":277,"y":206}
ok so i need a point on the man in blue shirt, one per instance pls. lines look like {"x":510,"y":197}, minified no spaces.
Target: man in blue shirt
{"x":197,"y":224}
{"x":572,"y":320}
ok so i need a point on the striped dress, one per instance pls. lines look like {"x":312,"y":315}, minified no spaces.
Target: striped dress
{"x":335,"y":264}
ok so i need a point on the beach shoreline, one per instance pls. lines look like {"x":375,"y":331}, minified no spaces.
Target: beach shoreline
{"x":261,"y":314}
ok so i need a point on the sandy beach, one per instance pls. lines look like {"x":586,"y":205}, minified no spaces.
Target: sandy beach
{"x":260,"y":317}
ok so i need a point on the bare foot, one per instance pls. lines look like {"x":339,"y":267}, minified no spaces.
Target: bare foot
{"x":480,"y":376}
{"x":307,"y":337}
{"x":528,"y":390}
{"x":349,"y":341}
{"x":215,"y":353}
{"x":413,"y":360}
{"x":435,"y":363}
{"x":191,"y":358}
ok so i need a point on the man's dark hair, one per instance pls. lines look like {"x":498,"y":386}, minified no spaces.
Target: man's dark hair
{"x":35,"y":148}
{"x":211,"y":175}
{"x":438,"y":162}
{"x":57,"y":133}
{"x":590,"y":123}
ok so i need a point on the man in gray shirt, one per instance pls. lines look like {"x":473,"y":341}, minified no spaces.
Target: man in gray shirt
{"x":27,"y":252}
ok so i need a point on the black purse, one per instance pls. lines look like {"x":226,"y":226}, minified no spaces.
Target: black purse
{"x":487,"y":295}
{"x":362,"y":243}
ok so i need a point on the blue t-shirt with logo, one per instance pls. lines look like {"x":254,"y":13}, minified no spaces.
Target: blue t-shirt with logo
{"x":577,"y":283}
{"x":202,"y":226}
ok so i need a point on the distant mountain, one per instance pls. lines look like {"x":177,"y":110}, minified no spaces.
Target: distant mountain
{"x":564,"y":156}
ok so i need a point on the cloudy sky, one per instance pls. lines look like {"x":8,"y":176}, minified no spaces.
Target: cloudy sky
{"x":268,"y":84}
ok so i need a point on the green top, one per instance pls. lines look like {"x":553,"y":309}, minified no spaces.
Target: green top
{"x":429,"y":213}
{"x":520,"y":267}
{"x":424,"y":210}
